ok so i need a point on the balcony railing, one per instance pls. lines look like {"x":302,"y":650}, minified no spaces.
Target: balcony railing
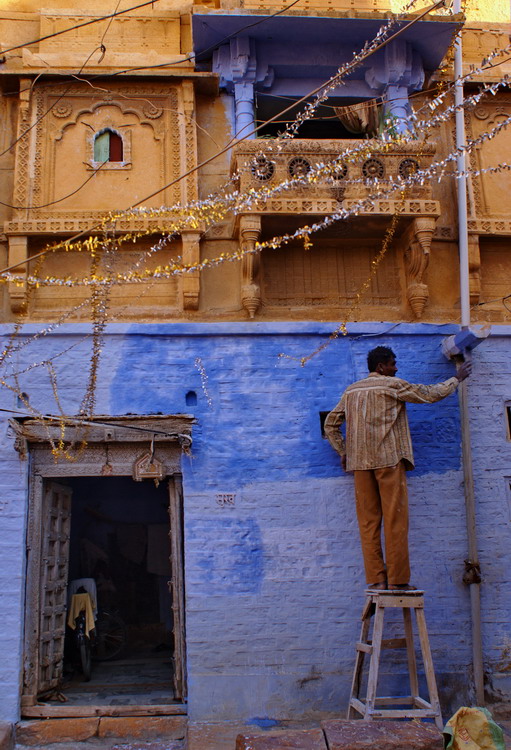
{"x":261,"y":162}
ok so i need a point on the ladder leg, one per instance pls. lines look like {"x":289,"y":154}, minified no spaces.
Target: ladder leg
{"x":374,"y":664}
{"x":359,"y":661}
{"x":428,"y":666}
{"x":410,"y":651}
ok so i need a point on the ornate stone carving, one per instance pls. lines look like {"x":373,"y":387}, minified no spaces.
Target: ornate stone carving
{"x":239,"y":70}
{"x":275,"y":167}
{"x":474,"y":268}
{"x":419,"y":238}
{"x":21,"y":180}
{"x":18,"y":250}
{"x":400,"y":74}
{"x":190,"y":281}
{"x":156,"y":106}
{"x":250,"y":229}
{"x":152,"y":111}
{"x":62,"y":110}
{"x":190,"y":138}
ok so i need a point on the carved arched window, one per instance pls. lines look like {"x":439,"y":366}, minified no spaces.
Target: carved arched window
{"x":108,"y":146}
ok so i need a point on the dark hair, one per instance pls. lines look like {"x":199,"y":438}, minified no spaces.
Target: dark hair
{"x":381,"y":354}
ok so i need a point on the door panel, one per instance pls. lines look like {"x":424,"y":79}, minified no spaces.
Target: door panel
{"x":177,"y":584}
{"x":53,"y":584}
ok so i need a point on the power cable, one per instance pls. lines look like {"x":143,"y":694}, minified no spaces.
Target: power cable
{"x":44,"y":114}
{"x":243,"y":138}
{"x":91,"y":422}
{"x":59,"y":200}
{"x":168,"y":63}
{"x":78,"y":26}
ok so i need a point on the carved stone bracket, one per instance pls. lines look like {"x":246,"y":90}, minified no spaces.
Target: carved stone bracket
{"x":395,"y":73}
{"x":239,"y":70}
{"x":18,"y":248}
{"x":417,"y":254}
{"x":190,"y":282}
{"x":250,"y":229}
{"x":474,"y":268}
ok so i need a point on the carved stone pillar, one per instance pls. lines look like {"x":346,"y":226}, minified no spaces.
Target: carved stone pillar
{"x":190,"y":282}
{"x":396,"y":72}
{"x":474,"y":268}
{"x":18,"y":248}
{"x":250,"y":230}
{"x":239,"y":71}
{"x":189,"y":188}
{"x":21,"y":161}
{"x":417,"y":261}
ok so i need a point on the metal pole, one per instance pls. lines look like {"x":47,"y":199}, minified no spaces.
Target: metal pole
{"x":471,"y":577}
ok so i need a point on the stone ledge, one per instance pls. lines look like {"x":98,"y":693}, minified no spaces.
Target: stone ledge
{"x":6,"y":736}
{"x":301,"y":739}
{"x":384,"y":735}
{"x":143,"y":727}
{"x":46,"y":731}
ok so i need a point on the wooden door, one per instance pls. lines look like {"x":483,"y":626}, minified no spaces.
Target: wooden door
{"x":177,"y":584}
{"x":48,"y":554}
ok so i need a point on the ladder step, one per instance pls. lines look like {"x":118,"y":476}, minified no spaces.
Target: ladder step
{"x":405,"y":713}
{"x":365,"y":647}
{"x":393,"y":643}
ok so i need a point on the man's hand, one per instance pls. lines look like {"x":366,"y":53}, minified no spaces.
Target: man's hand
{"x":343,"y":462}
{"x":464,"y":370}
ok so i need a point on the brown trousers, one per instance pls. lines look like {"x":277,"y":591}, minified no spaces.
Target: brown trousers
{"x":382,"y":494}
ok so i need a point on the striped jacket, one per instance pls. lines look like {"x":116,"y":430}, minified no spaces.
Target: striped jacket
{"x":374,"y":409}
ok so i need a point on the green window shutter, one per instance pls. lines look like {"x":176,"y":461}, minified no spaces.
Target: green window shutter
{"x":102,"y":147}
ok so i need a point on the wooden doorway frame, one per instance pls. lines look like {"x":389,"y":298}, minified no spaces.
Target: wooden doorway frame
{"x":122,"y":440}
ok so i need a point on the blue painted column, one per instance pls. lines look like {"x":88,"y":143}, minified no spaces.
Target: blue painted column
{"x":239,"y":71}
{"x":396,"y":73}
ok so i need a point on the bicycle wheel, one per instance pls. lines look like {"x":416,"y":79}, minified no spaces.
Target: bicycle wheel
{"x":86,"y":659}
{"x":110,"y":637}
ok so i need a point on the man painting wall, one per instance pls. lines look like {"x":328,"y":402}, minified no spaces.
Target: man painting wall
{"x":378,"y":450}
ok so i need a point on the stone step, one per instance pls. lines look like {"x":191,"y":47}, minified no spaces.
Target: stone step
{"x":112,"y":731}
{"x":110,"y":744}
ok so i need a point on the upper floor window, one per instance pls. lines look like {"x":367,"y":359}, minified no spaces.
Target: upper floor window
{"x":334,"y":119}
{"x":108,"y":146}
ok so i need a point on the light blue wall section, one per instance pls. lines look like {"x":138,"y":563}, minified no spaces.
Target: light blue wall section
{"x":274,"y":585}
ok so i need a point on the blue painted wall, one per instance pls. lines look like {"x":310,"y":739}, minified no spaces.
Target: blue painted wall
{"x":274,"y":582}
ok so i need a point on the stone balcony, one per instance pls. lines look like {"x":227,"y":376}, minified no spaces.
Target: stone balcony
{"x":261,"y":163}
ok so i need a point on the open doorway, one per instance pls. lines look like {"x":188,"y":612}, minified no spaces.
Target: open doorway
{"x":120,"y":538}
{"x":89,"y":517}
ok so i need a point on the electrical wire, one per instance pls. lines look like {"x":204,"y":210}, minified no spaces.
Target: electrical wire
{"x":47,"y":112}
{"x":243,"y":138}
{"x":77,"y":26}
{"x":91,"y":422}
{"x":59,"y":200}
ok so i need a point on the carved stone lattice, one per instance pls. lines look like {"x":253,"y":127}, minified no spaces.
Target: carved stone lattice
{"x":407,"y":167}
{"x":299,"y":166}
{"x":341,"y":172}
{"x":373,"y":169}
{"x":250,"y":229}
{"x":263,"y":169}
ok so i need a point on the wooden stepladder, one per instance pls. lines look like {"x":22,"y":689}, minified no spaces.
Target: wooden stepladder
{"x":374,"y":707}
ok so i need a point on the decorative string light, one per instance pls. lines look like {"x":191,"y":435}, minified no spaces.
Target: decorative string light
{"x":204,"y":380}
{"x":216,"y":210}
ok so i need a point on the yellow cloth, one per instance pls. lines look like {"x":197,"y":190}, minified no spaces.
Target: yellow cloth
{"x":79,"y":603}
{"x":473,"y":728}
